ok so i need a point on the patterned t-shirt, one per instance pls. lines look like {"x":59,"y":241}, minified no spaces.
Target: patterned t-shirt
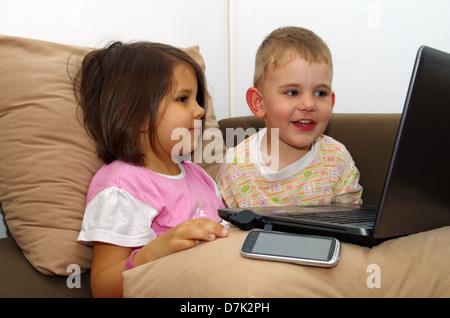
{"x":326,"y":174}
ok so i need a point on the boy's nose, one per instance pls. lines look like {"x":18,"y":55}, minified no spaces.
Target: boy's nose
{"x":307,"y":103}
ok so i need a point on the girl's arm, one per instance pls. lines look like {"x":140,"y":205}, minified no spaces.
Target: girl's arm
{"x":108,"y":261}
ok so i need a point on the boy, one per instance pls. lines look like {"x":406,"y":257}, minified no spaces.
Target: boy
{"x":290,"y":162}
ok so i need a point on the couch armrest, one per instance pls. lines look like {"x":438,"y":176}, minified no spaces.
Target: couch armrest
{"x":247,"y":123}
{"x":370,"y":140}
{"x":19,"y":279}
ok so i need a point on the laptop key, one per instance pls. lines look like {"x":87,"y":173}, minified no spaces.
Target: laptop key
{"x":339,"y":217}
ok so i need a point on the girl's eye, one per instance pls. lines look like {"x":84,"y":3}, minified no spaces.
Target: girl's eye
{"x":291,"y":92}
{"x":182,"y":99}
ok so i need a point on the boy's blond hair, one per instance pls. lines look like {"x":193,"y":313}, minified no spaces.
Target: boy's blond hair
{"x":294,"y":40}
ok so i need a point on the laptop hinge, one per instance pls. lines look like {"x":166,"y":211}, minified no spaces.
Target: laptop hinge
{"x":268,"y":226}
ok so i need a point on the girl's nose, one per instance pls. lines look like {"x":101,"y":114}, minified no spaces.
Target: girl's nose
{"x":199,"y":111}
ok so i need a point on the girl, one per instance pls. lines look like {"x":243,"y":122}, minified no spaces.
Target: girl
{"x":143,"y":204}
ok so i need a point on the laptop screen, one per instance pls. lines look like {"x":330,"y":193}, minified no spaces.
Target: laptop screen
{"x":415,"y":195}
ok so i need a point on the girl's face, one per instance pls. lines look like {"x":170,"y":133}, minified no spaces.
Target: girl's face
{"x":179,"y":122}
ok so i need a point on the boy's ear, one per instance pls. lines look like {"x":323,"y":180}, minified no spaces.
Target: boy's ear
{"x":255,"y":102}
{"x":333,"y":99}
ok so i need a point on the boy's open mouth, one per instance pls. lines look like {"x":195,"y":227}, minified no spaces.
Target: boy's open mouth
{"x":304,"y":124}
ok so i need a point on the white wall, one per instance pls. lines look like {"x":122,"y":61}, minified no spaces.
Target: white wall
{"x":96,"y":22}
{"x":374,"y":44}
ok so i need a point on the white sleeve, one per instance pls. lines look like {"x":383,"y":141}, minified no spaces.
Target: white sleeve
{"x":116,"y":217}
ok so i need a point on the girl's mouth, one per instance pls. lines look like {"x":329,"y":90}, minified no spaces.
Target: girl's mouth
{"x":304,"y":124}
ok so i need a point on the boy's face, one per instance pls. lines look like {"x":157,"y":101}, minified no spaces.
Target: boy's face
{"x":297,"y":99}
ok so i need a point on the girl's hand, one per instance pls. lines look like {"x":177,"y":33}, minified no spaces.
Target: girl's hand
{"x":190,"y":233}
{"x":108,"y":260}
{"x":186,"y":235}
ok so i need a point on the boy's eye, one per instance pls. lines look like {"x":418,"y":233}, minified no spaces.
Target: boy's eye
{"x":321,"y":94}
{"x":291,"y":92}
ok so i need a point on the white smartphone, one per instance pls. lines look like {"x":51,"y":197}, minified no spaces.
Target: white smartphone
{"x":292,"y":248}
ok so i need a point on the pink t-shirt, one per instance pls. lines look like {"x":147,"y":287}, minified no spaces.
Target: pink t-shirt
{"x":129,"y":205}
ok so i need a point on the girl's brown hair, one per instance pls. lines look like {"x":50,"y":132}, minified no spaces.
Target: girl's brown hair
{"x":121,"y":88}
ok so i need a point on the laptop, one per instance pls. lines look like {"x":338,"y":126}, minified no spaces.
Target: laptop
{"x":417,"y":186}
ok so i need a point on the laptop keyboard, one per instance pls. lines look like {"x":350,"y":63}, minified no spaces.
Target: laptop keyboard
{"x":355,"y":218}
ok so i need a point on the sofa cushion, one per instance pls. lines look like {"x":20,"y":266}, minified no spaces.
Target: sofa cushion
{"x":47,"y":159}
{"x":412,"y":266}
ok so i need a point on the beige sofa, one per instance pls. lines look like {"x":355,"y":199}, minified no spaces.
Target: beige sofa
{"x":47,"y":161}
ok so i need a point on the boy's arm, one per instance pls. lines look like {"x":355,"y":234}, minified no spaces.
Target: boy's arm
{"x":224,"y":186}
{"x":351,"y":190}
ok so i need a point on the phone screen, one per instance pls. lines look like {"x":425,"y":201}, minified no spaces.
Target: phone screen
{"x":300,"y":246}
